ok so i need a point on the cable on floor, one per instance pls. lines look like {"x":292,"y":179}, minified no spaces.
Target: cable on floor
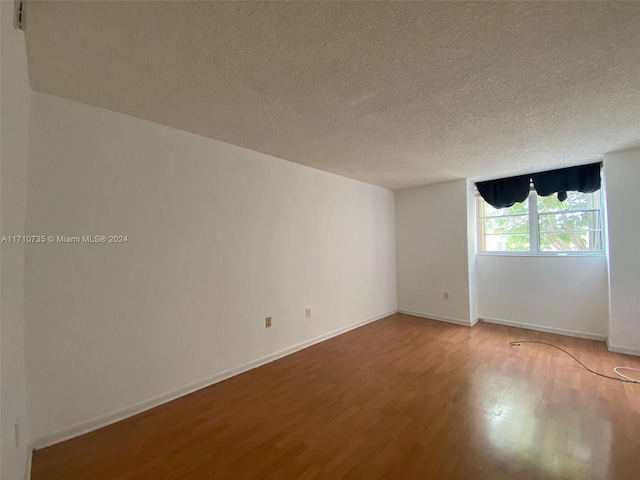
{"x":619,"y":378}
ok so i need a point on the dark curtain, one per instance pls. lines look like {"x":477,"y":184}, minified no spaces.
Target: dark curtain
{"x":504,"y":192}
{"x":585,"y":179}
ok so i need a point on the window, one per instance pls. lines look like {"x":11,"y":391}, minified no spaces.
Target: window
{"x":543,"y":225}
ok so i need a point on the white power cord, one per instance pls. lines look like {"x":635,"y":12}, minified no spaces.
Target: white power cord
{"x":621,"y":377}
{"x":624,"y":376}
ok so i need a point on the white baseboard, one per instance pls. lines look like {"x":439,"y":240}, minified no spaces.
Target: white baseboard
{"x":541,"y":328}
{"x":121,"y":414}
{"x":457,"y":321}
{"x":625,"y":350}
{"x":27,"y":468}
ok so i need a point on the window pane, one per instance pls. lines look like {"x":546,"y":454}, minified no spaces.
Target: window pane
{"x":486,"y":210}
{"x":518,"y":224}
{"x":571,"y":242}
{"x":569,"y":222}
{"x":570,"y":226}
{"x":504,"y":229}
{"x":574,"y":201}
{"x":515,"y":242}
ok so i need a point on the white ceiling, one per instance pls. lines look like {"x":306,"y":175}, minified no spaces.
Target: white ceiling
{"x":391,"y":93}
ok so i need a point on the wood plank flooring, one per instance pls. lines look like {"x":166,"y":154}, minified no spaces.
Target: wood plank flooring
{"x":401,"y":398}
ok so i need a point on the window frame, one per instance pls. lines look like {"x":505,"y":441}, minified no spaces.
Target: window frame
{"x":534,"y":230}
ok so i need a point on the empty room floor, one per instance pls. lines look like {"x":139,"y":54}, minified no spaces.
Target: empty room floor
{"x":401,"y":398}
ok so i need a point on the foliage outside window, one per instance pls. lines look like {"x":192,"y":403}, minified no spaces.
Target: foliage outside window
{"x":542,"y":225}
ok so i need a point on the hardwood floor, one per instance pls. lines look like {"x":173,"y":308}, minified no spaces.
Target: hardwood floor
{"x":401,"y":398}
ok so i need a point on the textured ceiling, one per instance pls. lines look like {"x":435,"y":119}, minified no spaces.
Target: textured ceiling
{"x":391,"y":93}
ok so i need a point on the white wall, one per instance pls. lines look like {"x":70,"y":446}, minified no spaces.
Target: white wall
{"x":14,"y":108}
{"x":622,"y":170}
{"x":219,"y":238}
{"x":472,"y":250}
{"x":561,"y":294}
{"x":433,"y":252}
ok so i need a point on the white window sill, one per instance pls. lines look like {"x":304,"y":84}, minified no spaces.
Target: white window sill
{"x":600,"y":253}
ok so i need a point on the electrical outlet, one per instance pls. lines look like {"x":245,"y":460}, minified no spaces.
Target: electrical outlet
{"x":307,"y":312}
{"x":267,"y":322}
{"x":445,"y":295}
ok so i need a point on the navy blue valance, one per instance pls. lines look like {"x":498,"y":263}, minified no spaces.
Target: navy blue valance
{"x":504,"y":192}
